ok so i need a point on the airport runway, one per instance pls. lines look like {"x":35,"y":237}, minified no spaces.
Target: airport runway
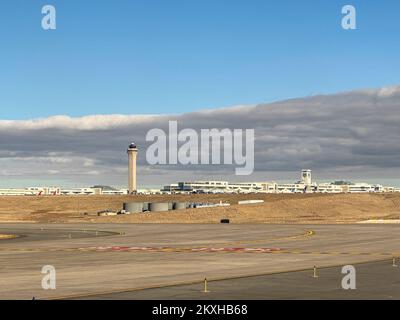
{"x":374,"y":280}
{"x":130,"y":261}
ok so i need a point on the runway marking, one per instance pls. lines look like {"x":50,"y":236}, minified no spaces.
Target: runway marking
{"x":181,"y":250}
{"x":146,"y":249}
{"x":263,"y":250}
{"x":7,"y":236}
{"x":226,"y":247}
{"x":307,"y":233}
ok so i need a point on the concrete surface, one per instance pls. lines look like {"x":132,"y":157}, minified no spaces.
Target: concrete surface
{"x":374,"y":281}
{"x":91,"y":263}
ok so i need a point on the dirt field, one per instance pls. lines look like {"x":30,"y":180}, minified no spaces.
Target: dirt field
{"x":282,"y":208}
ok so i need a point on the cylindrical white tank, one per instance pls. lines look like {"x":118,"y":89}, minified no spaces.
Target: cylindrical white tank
{"x":179,"y":205}
{"x":133,"y":207}
{"x":146,"y":206}
{"x":159,"y":206}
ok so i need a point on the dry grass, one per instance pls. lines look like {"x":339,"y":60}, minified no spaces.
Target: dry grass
{"x":278,"y":208}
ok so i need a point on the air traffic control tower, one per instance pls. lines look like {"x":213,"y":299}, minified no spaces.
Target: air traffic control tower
{"x":306,"y":177}
{"x":132,"y":155}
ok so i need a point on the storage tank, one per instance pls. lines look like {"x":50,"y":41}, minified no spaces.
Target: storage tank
{"x":146,"y":206}
{"x":159,"y":206}
{"x":133,"y":207}
{"x":179,"y":205}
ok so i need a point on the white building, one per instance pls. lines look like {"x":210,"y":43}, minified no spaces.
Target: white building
{"x":115,"y":192}
{"x":33,"y":191}
{"x":329,"y":188}
{"x":360,"y":188}
{"x":15,"y":192}
{"x":82,"y":191}
{"x":305,"y":185}
{"x":57,"y":191}
{"x":220,"y":187}
{"x":291,"y":188}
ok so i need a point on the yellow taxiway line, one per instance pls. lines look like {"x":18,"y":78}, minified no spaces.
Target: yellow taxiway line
{"x":7,"y":236}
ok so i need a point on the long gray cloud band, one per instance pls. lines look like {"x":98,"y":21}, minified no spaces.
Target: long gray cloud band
{"x":353,"y":131}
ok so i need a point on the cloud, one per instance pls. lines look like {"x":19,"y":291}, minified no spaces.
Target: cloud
{"x":87,"y":123}
{"x":348,"y":133}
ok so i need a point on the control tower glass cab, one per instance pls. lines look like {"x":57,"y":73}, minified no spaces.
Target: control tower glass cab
{"x":306,"y":177}
{"x":132,"y":146}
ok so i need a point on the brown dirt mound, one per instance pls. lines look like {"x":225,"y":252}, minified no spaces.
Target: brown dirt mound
{"x":278,"y":208}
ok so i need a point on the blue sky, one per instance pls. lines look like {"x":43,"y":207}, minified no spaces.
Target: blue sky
{"x":157,"y":56}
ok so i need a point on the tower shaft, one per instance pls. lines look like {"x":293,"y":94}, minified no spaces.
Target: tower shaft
{"x":132,"y":155}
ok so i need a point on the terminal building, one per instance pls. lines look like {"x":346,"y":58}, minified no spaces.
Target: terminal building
{"x":305,"y":185}
{"x":34,"y":191}
{"x":220,"y":187}
{"x":57,"y":191}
